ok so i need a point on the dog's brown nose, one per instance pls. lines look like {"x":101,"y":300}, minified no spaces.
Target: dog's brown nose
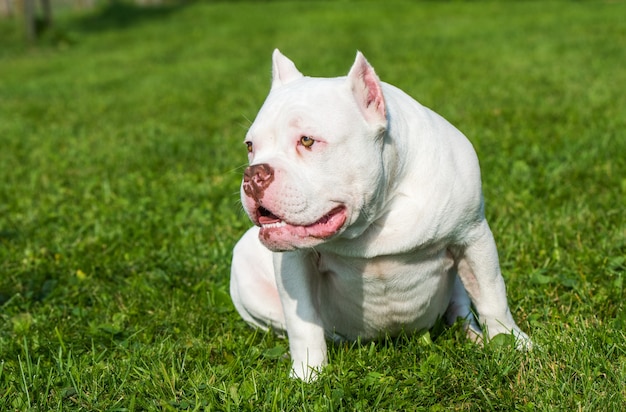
{"x":256,"y":179}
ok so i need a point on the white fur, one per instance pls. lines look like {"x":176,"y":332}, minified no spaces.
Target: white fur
{"x":414,"y":220}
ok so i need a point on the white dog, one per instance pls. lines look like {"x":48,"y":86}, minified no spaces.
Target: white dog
{"x":369,"y":218}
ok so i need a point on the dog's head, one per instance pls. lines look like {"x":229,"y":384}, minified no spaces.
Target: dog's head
{"x":315,"y":153}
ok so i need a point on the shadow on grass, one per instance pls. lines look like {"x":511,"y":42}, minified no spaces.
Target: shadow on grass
{"x":119,"y":14}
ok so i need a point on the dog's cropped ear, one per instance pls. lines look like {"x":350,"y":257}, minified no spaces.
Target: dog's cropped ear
{"x":283,"y":69}
{"x":367,"y":91}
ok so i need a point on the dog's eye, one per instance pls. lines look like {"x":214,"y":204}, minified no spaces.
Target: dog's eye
{"x":249,"y":144}
{"x":306,"y":141}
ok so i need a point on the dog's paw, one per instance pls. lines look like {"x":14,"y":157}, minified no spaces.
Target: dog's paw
{"x":522,"y":341}
{"x":305,"y":372}
{"x":513,"y":338}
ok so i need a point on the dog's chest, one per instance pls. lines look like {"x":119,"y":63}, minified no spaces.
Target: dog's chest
{"x":367,"y":297}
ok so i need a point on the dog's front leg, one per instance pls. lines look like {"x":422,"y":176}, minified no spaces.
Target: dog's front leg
{"x":479,"y":271}
{"x":297,"y":278}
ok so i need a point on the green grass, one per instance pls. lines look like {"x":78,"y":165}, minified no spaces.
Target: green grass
{"x":120,"y":159}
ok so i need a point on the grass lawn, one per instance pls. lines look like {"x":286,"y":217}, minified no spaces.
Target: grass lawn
{"x":121,"y":152}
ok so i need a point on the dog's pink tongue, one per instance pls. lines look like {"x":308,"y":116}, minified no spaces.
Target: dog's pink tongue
{"x":266,"y":217}
{"x":328,"y":224}
{"x":268,"y":220}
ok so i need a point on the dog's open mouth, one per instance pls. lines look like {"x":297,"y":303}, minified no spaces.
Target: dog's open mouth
{"x":326,"y":226}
